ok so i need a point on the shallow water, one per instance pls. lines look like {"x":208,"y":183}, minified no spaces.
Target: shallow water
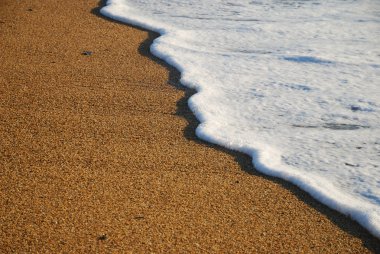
{"x":294,"y":84}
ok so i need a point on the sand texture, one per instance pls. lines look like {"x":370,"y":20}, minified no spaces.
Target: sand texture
{"x":98,"y":153}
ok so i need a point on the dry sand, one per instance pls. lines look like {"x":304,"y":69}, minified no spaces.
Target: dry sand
{"x":98,"y":153}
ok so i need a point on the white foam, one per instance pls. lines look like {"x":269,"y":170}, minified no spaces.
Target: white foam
{"x":294,"y":84}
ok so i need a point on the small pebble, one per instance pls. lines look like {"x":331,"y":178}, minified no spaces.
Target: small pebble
{"x":102,"y":237}
{"x":87,"y":53}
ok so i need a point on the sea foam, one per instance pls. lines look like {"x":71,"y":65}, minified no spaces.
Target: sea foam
{"x":294,"y":84}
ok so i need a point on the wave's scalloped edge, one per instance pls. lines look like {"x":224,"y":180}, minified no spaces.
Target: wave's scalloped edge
{"x":265,"y":159}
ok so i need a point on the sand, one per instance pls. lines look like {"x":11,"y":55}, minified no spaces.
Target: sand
{"x":98,"y":152}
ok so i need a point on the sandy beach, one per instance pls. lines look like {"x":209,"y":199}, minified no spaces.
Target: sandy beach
{"x":98,"y":152}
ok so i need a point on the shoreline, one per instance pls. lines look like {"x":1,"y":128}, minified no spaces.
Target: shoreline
{"x":319,"y":195}
{"x":91,"y":155}
{"x":324,"y":192}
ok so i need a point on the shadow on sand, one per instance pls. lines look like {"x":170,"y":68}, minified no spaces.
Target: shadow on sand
{"x":245,"y":161}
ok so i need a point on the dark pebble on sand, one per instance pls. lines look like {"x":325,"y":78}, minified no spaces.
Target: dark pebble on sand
{"x":102,"y":237}
{"x":87,"y":53}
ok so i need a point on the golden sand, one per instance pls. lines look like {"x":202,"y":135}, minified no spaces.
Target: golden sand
{"x":98,"y":152}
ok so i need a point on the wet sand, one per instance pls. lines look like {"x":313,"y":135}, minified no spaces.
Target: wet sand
{"x":98,"y":152}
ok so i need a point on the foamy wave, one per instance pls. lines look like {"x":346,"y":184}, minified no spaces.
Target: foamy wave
{"x":294,"y":84}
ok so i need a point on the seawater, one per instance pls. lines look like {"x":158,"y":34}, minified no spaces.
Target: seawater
{"x":294,"y":84}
